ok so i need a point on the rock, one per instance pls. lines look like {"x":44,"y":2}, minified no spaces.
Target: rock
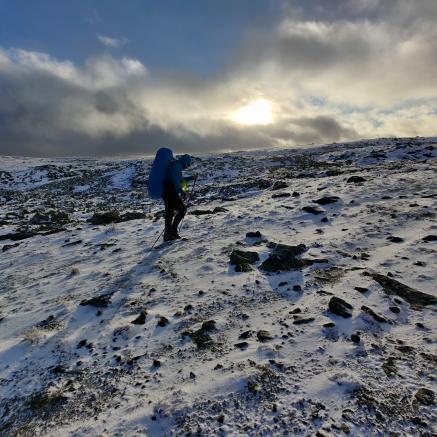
{"x":394,"y":239}
{"x":101,"y":301}
{"x":141,"y":319}
{"x":355,"y":180}
{"x":9,"y":246}
{"x":395,"y":310}
{"x":201,"y":338}
{"x":374,"y":315}
{"x":50,"y":217}
{"x":295,"y":194}
{"x":425,"y":396}
{"x":256,"y":234}
{"x":239,"y":257}
{"x":340,"y":307}
{"x":218,"y":209}
{"x":324,"y":220}
{"x":132,"y":216}
{"x":264,"y":335}
{"x":208,"y":326}
{"x":81,"y":344}
{"x":279,"y":195}
{"x":430,"y":238}
{"x":253,"y":387}
{"x":279,"y":185}
{"x":329,"y":325}
{"x":156,"y":363}
{"x":188,"y":307}
{"x":284,"y":258}
{"x":295,"y":311}
{"x":244,"y":335}
{"x":297,"y":288}
{"x":361,"y":289}
{"x":313,"y":210}
{"x":415,"y":298}
{"x":163,"y":321}
{"x":303,"y":321}
{"x":355,"y":338}
{"x":389,"y":366}
{"x":243,"y":268}
{"x":242,"y":346}
{"x":105,"y":218}
{"x":327,"y":200}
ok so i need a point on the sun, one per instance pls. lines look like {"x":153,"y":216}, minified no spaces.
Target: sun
{"x":256,"y":112}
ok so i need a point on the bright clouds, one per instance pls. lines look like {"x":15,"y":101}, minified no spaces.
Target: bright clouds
{"x":368,"y":72}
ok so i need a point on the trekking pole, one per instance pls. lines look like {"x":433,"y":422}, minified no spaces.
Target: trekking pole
{"x":157,"y":239}
{"x":188,"y":203}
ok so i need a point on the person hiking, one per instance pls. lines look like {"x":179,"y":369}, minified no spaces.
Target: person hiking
{"x":174,"y":187}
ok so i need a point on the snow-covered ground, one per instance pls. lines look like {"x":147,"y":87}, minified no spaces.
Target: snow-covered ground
{"x":273,"y":358}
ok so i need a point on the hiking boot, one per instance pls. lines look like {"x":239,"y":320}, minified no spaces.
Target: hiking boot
{"x":169,"y":236}
{"x":174,"y":232}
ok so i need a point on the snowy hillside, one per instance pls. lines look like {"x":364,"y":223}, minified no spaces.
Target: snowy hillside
{"x":302,"y":303}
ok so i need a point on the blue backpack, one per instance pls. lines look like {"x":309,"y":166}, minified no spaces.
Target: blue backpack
{"x":158,"y":172}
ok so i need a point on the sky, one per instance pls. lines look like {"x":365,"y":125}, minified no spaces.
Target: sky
{"x":112,"y":77}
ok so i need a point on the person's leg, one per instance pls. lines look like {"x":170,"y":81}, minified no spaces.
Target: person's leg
{"x":168,"y":198}
{"x":181,"y":210}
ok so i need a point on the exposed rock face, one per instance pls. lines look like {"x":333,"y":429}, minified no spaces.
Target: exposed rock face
{"x":283,"y":258}
{"x":425,"y":396}
{"x":415,"y":298}
{"x":49,"y":217}
{"x":105,"y":218}
{"x":340,"y":307}
{"x":141,"y":319}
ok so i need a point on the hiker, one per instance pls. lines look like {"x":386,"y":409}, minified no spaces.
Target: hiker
{"x":174,"y":186}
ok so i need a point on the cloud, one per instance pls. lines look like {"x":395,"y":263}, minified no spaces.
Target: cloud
{"x":365,"y":72}
{"x":113,"y":43}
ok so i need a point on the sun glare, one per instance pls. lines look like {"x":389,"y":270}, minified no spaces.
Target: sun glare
{"x":256,"y":112}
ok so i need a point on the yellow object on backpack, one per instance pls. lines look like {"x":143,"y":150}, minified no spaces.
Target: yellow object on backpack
{"x":184,"y":185}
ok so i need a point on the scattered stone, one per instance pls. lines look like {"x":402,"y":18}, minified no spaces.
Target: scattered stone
{"x":340,"y":307}
{"x":279,"y":185}
{"x":256,"y":234}
{"x":324,"y":220}
{"x":243,"y":259}
{"x":163,"y":321}
{"x":9,"y":246}
{"x":389,"y":366}
{"x":81,"y":344}
{"x":361,"y":289}
{"x":355,"y":338}
{"x":429,"y":238}
{"x":246,"y":334}
{"x":242,"y":346}
{"x":50,"y":217}
{"x":297,"y":287}
{"x":420,"y":325}
{"x":313,"y":210}
{"x":141,"y":319}
{"x":101,"y":301}
{"x":279,"y":195}
{"x":355,"y":180}
{"x":192,"y":375}
{"x":253,"y":387}
{"x":425,"y":396}
{"x":295,"y":311}
{"x":284,"y":258}
{"x":303,"y":321}
{"x":156,"y":363}
{"x":295,"y":194}
{"x":201,"y":338}
{"x":208,"y":326}
{"x":329,"y":325}
{"x":105,"y":218}
{"x":263,"y":336}
{"x":327,"y":200}
{"x":374,"y":315}
{"x":394,"y":239}
{"x":415,"y":298}
{"x":395,"y":309}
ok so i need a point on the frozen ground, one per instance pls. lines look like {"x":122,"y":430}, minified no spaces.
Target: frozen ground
{"x":274,"y":358}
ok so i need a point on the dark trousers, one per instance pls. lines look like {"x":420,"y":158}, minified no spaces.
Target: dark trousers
{"x":173,"y":204}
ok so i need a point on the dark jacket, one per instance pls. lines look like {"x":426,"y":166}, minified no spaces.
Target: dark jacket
{"x":174,"y":172}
